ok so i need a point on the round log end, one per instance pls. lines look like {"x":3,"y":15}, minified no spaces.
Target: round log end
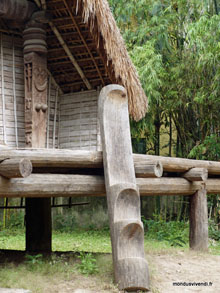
{"x":25,"y":168}
{"x":158,"y":169}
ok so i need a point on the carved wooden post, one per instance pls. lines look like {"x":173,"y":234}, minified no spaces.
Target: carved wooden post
{"x":198,"y":237}
{"x":127,"y":234}
{"x":38,"y":211}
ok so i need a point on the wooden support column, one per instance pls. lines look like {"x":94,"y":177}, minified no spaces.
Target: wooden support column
{"x":38,"y":211}
{"x":38,"y":225}
{"x":127,"y":234}
{"x":198,"y":238}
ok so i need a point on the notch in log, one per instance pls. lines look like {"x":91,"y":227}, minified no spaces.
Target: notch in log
{"x":16,"y":168}
{"x":196,"y":174}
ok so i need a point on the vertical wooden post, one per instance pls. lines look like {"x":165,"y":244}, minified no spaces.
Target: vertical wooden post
{"x":38,"y":225}
{"x":38,"y":211}
{"x":127,"y":234}
{"x":198,"y":238}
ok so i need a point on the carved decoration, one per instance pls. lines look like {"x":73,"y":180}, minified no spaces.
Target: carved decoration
{"x":40,"y":78}
{"x":35,"y":70}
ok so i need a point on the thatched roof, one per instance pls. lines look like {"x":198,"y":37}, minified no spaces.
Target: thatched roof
{"x":98,"y":14}
{"x":87,"y":51}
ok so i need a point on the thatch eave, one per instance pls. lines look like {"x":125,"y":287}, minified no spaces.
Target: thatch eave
{"x":98,"y":15}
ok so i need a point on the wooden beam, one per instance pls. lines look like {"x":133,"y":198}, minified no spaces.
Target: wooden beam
{"x":83,"y":40}
{"x":198,"y":239}
{"x":196,"y":174}
{"x":180,"y":165}
{"x":58,"y":185}
{"x":152,"y":169}
{"x":70,"y":55}
{"x":15,"y":168}
{"x":38,"y":225}
{"x":93,"y":159}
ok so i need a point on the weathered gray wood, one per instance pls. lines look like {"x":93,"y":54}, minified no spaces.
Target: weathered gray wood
{"x":90,"y":159}
{"x":198,"y":239}
{"x":127,"y":234}
{"x":49,"y":185}
{"x":196,"y":174}
{"x":179,"y":164}
{"x":15,"y":168}
{"x":152,"y":169}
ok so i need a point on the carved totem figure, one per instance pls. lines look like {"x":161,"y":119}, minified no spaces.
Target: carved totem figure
{"x":35,"y":70}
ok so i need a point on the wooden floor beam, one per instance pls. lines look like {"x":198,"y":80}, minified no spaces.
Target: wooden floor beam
{"x":53,"y":185}
{"x":93,"y":159}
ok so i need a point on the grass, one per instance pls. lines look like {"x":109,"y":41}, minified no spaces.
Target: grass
{"x":75,"y":269}
{"x":90,"y":241}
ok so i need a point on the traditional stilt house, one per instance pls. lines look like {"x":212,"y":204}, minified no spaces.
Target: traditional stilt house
{"x":55,"y":58}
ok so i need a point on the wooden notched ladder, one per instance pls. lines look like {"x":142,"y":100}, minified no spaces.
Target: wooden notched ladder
{"x":127,"y":233}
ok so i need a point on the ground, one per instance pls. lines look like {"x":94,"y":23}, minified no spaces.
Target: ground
{"x":166,"y":267}
{"x":184,"y":266}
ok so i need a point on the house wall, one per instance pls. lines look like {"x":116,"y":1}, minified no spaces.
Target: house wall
{"x":79,"y":127}
{"x":12,"y":96}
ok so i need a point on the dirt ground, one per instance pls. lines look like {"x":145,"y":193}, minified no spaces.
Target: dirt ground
{"x":184,"y":267}
{"x":166,"y":267}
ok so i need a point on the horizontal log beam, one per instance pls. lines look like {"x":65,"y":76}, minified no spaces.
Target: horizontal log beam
{"x":93,"y":159}
{"x":196,"y":174}
{"x":56,"y":158}
{"x":153,"y":169}
{"x":181,"y":165}
{"x":15,"y":168}
{"x":52,"y":185}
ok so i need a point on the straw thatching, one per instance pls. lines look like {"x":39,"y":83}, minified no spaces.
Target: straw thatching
{"x":102,"y":23}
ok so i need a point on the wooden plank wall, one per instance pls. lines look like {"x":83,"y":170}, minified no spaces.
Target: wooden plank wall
{"x":79,"y":121}
{"x":8,"y":115}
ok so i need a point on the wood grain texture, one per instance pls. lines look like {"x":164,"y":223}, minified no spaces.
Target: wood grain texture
{"x":15,"y":168}
{"x":152,"y":169}
{"x":196,"y":174}
{"x":127,"y":234}
{"x":179,"y":164}
{"x":78,"y":121}
{"x":91,"y":159}
{"x":198,"y":239}
{"x":49,"y":185}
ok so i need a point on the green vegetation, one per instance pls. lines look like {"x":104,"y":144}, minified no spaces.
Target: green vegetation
{"x":159,"y":235}
{"x":175,"y":46}
{"x":88,"y":264}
